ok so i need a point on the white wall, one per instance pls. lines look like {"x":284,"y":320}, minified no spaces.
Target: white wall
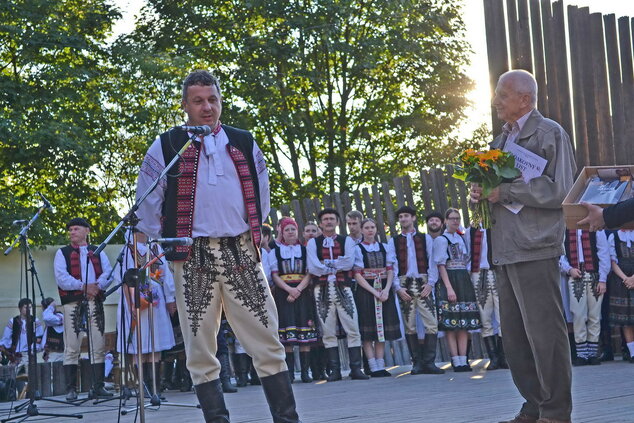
{"x":12,"y":286}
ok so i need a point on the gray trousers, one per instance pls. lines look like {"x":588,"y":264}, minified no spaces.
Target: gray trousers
{"x":535,"y":336}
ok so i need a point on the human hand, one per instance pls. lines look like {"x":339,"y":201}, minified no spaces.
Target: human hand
{"x":594,"y":217}
{"x":290,"y":299}
{"x":601,"y":288}
{"x":92,"y":290}
{"x":403,"y":295}
{"x":575,"y":273}
{"x":475,"y":193}
{"x":426,"y":291}
{"x":171,"y":308}
{"x":294,"y":292}
{"x":629,"y":282}
{"x":384,"y":295}
{"x":494,"y":196}
{"x":451,"y":295}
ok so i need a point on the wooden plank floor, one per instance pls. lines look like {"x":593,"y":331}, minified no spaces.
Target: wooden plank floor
{"x":601,"y":394}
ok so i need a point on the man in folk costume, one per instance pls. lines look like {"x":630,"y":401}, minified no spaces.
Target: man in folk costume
{"x":411,"y":253}
{"x":330,"y":259}
{"x":54,"y":333}
{"x":14,"y":343}
{"x":82,"y":293}
{"x":587,"y":264}
{"x":353,"y":222}
{"x":218,"y":194}
{"x":483,"y":278}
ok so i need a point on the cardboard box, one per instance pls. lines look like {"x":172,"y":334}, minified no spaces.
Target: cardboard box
{"x":573,"y":211}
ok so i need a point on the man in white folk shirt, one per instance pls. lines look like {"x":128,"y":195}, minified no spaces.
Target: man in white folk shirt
{"x":218,"y":194}
{"x":83,"y":314}
{"x":587,"y":264}
{"x":411,"y":253}
{"x":330,"y":258}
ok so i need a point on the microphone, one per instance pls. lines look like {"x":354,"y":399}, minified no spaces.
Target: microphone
{"x":19,"y":222}
{"x":198,"y":130}
{"x":47,"y":203}
{"x":175,"y":241}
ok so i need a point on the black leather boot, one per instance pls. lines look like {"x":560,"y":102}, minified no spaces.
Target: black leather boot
{"x":70,"y":372}
{"x":254,"y":379}
{"x":187,"y":383}
{"x":316,"y":368}
{"x":177,"y":380}
{"x":290,"y":363}
{"x":167,"y":375}
{"x":492,"y":352}
{"x":212,"y":402}
{"x":354,"y":353}
{"x":304,"y":359}
{"x":334,"y":363}
{"x":428,"y":356}
{"x":241,"y":363}
{"x":98,"y":390}
{"x":225,"y":374}
{"x":279,"y":395}
{"x":502,"y":364}
{"x":415,"y":352}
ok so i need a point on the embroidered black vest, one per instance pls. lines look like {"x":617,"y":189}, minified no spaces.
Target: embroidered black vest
{"x":178,"y":210}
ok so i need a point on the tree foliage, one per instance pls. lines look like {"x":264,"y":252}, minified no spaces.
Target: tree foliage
{"x":53,"y":128}
{"x":339,"y":92}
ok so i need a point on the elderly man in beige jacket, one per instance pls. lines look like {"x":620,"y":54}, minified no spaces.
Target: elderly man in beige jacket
{"x":526,"y":248}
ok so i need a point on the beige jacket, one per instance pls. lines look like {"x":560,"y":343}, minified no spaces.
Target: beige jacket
{"x":537,"y":231}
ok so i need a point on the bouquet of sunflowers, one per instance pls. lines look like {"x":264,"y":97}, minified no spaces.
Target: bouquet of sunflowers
{"x":488,"y":169}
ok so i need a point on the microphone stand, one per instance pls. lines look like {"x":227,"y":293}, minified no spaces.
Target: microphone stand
{"x":32,"y":392}
{"x":155,"y":398}
{"x":131,"y":219}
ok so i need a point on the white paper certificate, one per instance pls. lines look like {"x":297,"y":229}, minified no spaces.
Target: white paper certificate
{"x":530,"y":164}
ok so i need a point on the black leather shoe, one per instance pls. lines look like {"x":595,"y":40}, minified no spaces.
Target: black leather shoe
{"x":580,"y":361}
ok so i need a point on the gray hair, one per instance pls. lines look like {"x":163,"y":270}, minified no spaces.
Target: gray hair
{"x":200,"y":77}
{"x":523,"y":83}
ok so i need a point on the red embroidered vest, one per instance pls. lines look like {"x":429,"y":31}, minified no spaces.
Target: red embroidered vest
{"x":420,"y":243}
{"x":73,"y":266}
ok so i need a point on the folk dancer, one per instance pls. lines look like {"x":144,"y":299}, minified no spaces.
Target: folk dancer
{"x":378,"y":316}
{"x":330,"y":259}
{"x":218,"y":194}
{"x":54,"y":333}
{"x":587,"y":264}
{"x":295,"y":305}
{"x":621,"y":282}
{"x":457,"y":307}
{"x":157,"y":293}
{"x":82,"y":313}
{"x":412,"y":254}
{"x":483,"y":278}
{"x":15,"y":339}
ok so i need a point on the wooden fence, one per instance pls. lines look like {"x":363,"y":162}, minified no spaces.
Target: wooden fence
{"x":583,"y":66}
{"x":433,"y":189}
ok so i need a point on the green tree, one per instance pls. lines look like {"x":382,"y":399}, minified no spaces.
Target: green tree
{"x":338,"y":92}
{"x":54,"y":128}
